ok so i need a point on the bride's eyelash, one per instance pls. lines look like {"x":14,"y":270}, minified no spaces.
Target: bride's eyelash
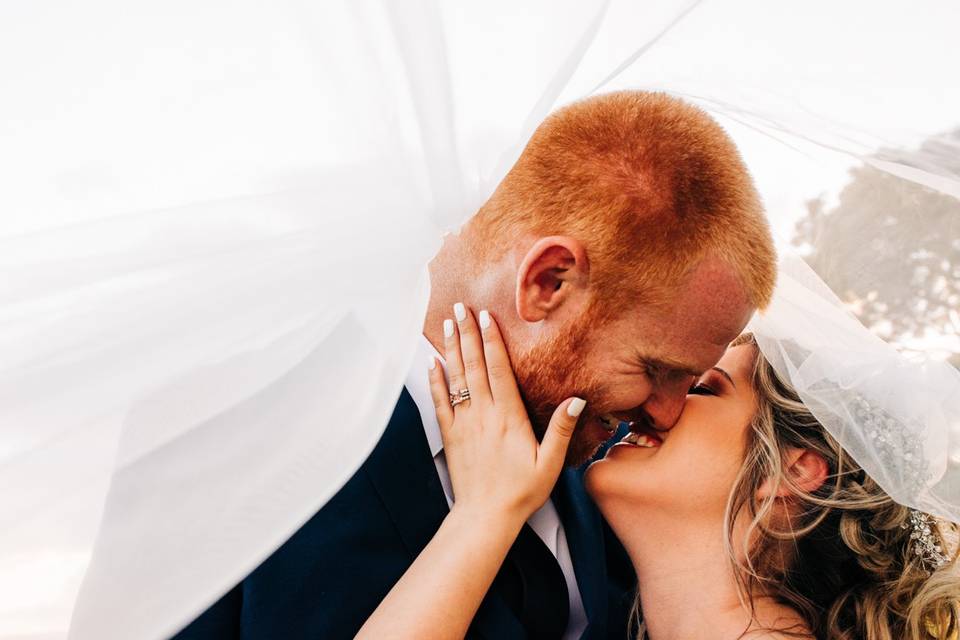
{"x":700,"y":389}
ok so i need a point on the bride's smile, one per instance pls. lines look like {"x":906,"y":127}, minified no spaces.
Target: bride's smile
{"x":691,"y":466}
{"x":640,"y":439}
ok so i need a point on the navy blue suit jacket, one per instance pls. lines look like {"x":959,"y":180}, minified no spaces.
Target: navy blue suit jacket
{"x":327,"y":579}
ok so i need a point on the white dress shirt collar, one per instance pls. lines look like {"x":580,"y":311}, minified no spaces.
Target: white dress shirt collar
{"x":418,"y":386}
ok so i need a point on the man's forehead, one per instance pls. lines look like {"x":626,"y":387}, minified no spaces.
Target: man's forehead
{"x":681,"y":333}
{"x":692,"y":332}
{"x":712,"y":307}
{"x":692,"y":358}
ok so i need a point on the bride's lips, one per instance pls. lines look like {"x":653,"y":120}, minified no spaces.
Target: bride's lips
{"x":642,"y":434}
{"x":644,"y":440}
{"x":611,"y":422}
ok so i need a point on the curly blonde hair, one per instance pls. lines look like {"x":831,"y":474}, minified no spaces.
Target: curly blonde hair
{"x":843,"y":556}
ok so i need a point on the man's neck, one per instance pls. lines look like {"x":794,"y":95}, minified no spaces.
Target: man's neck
{"x":462,"y":271}
{"x":443,"y":295}
{"x":687,"y":586}
{"x":452,"y":280}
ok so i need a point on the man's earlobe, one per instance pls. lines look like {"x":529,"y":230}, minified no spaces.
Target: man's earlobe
{"x":548,"y":276}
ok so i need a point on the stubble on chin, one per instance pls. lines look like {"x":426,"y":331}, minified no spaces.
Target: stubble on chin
{"x":550,"y":374}
{"x":583,"y":445}
{"x":583,"y":448}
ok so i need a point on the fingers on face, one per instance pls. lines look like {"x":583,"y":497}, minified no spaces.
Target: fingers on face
{"x":556,"y":441}
{"x":477,"y":359}
{"x":454,"y":359}
{"x":440,"y":395}
{"x":500,"y":377}
{"x":471,"y":353}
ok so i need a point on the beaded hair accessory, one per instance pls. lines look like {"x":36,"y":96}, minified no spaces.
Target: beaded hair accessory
{"x":926,"y":545}
{"x":891,"y":440}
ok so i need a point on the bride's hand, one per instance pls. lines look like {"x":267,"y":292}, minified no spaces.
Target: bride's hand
{"x":497,"y":468}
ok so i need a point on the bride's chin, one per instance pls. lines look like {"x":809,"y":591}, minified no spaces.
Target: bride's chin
{"x":615,"y":477}
{"x":601,"y":483}
{"x":594,"y":479}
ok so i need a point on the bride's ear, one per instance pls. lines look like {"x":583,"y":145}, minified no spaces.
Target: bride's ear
{"x":807,"y":469}
{"x":553,"y":271}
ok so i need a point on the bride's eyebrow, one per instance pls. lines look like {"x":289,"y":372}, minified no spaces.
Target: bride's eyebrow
{"x":725,"y":375}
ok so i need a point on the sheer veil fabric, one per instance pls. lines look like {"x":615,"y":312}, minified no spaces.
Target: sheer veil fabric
{"x":216,"y":220}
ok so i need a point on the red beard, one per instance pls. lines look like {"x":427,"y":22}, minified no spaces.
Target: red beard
{"x":550,"y":373}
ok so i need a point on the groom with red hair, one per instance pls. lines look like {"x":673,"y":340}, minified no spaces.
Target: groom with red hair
{"x":621,"y":255}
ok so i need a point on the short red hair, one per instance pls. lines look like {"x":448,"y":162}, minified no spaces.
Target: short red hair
{"x":650,"y":184}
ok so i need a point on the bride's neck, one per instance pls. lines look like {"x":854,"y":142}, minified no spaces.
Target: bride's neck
{"x":687,"y":586}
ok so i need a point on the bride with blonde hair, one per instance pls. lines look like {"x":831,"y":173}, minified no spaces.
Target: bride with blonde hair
{"x":804,"y":526}
{"x":745,"y":519}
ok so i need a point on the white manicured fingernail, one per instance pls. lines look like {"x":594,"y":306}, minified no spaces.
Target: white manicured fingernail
{"x":460,"y":311}
{"x":575,"y":408}
{"x":484,"y":319}
{"x":448,"y":328}
{"x":432,"y":364}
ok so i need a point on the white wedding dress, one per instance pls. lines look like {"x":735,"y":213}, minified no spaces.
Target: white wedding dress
{"x":216,"y":216}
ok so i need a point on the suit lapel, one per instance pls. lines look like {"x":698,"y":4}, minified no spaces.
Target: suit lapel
{"x":403,"y":473}
{"x":582,"y":526}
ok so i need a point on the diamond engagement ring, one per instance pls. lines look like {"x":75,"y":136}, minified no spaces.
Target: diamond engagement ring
{"x":459,"y":396}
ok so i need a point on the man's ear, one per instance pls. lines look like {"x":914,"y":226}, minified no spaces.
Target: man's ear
{"x":550,"y":273}
{"x":806,"y":468}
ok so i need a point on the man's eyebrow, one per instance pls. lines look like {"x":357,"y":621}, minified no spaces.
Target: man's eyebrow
{"x":673,"y":365}
{"x":725,"y":375}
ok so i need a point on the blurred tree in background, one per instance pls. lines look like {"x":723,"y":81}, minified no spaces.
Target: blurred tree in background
{"x":900,"y":295}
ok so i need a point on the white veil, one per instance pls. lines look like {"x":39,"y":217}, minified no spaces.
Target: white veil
{"x":215,"y":220}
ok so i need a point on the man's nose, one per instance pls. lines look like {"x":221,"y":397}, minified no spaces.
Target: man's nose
{"x":665,"y":404}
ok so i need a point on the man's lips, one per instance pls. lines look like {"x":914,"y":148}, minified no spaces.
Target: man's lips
{"x":642,"y":433}
{"x":642,"y":428}
{"x":609,"y":422}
